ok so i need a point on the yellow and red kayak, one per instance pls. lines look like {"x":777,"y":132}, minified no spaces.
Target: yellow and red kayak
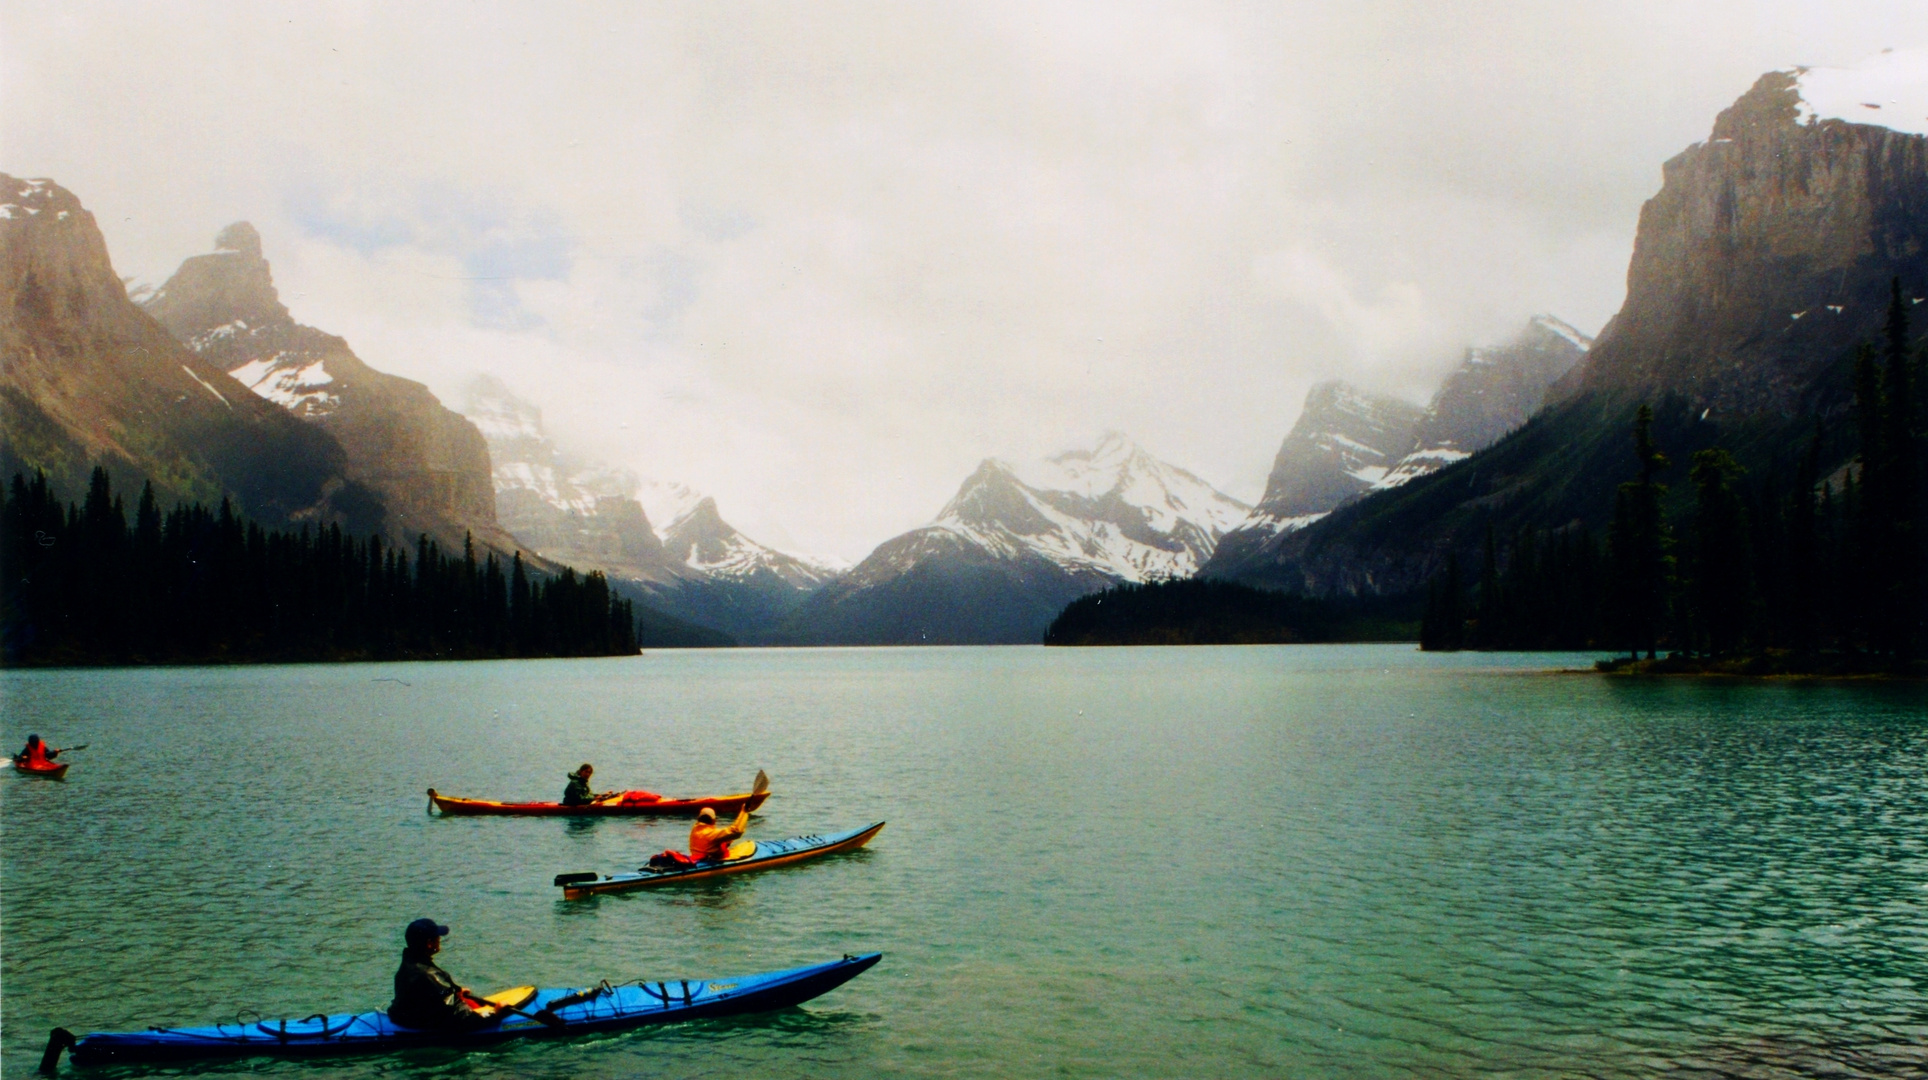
{"x":744,"y":855}
{"x":622,"y":804}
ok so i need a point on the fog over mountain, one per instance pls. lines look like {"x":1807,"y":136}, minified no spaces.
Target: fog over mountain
{"x":819,"y":262}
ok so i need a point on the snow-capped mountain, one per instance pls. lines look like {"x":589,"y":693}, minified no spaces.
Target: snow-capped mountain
{"x":701,"y":540}
{"x":427,"y":464}
{"x":1017,"y":543}
{"x":1346,"y":441}
{"x":1349,"y":443}
{"x":662,"y":536}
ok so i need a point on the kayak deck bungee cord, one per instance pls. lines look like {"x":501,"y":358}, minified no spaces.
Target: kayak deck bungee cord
{"x":745,"y":855}
{"x":544,"y":1013}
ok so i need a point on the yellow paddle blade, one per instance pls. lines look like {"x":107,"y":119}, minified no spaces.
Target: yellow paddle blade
{"x":515,"y":997}
{"x":742,"y":849}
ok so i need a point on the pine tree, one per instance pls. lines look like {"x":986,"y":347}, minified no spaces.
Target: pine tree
{"x":1899,"y":586}
{"x":1641,"y":548}
{"x":1723,"y":588}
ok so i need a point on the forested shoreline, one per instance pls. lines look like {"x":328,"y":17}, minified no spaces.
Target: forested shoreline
{"x":83,"y":586}
{"x":1785,"y":573}
{"x":1203,"y":611}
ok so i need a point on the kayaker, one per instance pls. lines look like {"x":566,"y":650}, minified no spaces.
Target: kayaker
{"x":578,"y":793}
{"x":425,"y":996}
{"x":36,"y":755}
{"x":710,"y":842}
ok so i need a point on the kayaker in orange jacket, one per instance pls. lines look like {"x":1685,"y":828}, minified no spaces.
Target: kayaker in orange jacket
{"x":710,"y":842}
{"x":36,"y":755}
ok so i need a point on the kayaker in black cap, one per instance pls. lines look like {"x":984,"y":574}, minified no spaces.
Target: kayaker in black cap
{"x":425,"y":996}
{"x":578,"y":793}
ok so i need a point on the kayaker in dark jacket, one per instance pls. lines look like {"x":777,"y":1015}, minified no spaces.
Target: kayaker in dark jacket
{"x":578,"y":793}
{"x":425,"y":996}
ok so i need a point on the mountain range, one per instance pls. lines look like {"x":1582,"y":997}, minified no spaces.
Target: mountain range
{"x":1761,"y":264}
{"x":1015,"y":544}
{"x":1765,"y":257}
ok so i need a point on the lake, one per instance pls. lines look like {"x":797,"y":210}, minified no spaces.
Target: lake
{"x":1315,"y":861}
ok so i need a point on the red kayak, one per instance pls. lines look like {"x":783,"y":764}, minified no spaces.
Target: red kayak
{"x":618,"y":804}
{"x":50,"y":770}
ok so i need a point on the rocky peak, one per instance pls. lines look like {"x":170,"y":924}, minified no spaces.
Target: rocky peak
{"x":1344,"y":442}
{"x":701,"y":521}
{"x":1768,"y":250}
{"x":1496,"y":388}
{"x":993,"y":497}
{"x":228,"y":285}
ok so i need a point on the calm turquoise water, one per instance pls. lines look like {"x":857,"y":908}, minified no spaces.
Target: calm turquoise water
{"x":1304,"y":861}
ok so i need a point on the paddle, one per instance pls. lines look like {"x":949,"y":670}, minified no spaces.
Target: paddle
{"x":544,"y":1016}
{"x":762,"y":783}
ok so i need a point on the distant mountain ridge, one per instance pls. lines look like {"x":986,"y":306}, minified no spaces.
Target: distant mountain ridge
{"x":429,"y":465}
{"x":1348,"y":443}
{"x":1014,"y":545}
{"x":587,"y":514}
{"x":88,"y":378}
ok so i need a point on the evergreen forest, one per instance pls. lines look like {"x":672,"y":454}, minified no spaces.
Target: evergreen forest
{"x":1792,"y":572}
{"x":192,"y":585}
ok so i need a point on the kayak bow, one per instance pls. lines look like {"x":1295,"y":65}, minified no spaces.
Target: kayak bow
{"x":600,"y":1008}
{"x":725,"y":806}
{"x":762,"y":855}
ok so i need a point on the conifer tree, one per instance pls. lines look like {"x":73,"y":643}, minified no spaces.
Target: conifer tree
{"x":1641,"y":547}
{"x":1723,"y":587}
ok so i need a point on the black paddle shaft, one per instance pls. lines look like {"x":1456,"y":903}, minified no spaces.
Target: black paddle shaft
{"x":58,"y":1040}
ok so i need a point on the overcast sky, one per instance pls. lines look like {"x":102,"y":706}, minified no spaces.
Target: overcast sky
{"x":818,"y":259}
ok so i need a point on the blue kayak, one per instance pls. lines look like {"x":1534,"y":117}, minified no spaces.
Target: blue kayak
{"x":744,"y":856}
{"x":598,"y":1008}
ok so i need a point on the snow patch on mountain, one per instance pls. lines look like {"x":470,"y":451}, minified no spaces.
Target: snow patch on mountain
{"x":286,"y":380}
{"x":1887,"y":90}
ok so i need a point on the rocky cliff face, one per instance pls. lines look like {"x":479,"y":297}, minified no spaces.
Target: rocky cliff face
{"x":1017,"y":544}
{"x":429,"y":465}
{"x":87,"y":377}
{"x":1762,"y":262}
{"x":576,"y":515}
{"x":1496,"y":388}
{"x":1767,"y":253}
{"x":1345,"y":441}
